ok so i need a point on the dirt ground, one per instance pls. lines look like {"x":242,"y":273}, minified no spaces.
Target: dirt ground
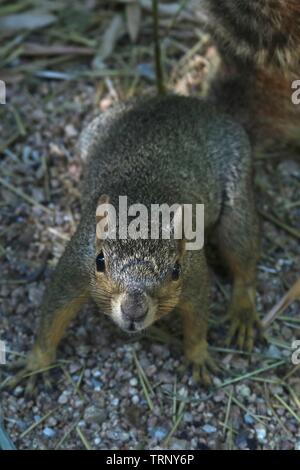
{"x":112,"y":391}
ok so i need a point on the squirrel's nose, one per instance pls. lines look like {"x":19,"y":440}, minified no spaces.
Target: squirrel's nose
{"x":134,"y":306}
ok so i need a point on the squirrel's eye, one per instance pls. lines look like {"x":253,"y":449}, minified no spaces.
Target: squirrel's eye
{"x":176,"y":271}
{"x":100,"y":262}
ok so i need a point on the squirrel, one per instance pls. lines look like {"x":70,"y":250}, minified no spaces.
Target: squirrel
{"x":158,"y":150}
{"x":259,"y":43}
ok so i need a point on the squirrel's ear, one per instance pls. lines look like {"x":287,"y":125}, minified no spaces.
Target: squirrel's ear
{"x":103,"y":218}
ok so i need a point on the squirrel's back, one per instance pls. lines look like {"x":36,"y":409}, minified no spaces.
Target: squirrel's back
{"x":169,"y":149}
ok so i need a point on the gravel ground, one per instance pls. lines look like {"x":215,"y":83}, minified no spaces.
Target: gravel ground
{"x":112,"y":391}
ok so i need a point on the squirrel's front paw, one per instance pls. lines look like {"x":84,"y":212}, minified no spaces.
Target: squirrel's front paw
{"x":38,"y":362}
{"x":203,"y":364}
{"x":244,"y":326}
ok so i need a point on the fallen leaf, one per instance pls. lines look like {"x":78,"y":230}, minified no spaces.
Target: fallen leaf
{"x":163,"y":9}
{"x":114,"y":31}
{"x":33,"y":19}
{"x":133,"y":17}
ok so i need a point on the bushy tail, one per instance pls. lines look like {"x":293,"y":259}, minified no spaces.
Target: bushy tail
{"x":259,"y":41}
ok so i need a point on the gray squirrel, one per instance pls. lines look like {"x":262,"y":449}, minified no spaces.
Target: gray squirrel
{"x":161,"y":150}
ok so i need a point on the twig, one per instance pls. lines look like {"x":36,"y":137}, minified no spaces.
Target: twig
{"x":287,"y":407}
{"x":253,"y":373}
{"x":290,"y":230}
{"x":24,"y":196}
{"x":279,"y":420}
{"x":9,"y":141}
{"x":176,"y":424}
{"x":292,"y":295}
{"x":64,"y":437}
{"x":174,"y":403}
{"x":144,"y":382}
{"x":228,"y":408}
{"x":244,"y":408}
{"x":19,"y":122}
{"x":34,"y":425}
{"x":157,"y":50}
{"x":84,"y":440}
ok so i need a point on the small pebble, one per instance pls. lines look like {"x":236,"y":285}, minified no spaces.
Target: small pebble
{"x":118,"y":435}
{"x":241,"y":441}
{"x":18,"y":391}
{"x":78,"y":403}
{"x":178,"y":444}
{"x":243,"y":390}
{"x":217,"y":382}
{"x":158,"y":433}
{"x":276,"y":389}
{"x":49,"y":432}
{"x":188,"y":417}
{"x":97,"y":385}
{"x":249,"y":419}
{"x":274,"y":352}
{"x":135,"y":399}
{"x":70,"y":130}
{"x":146,"y":71}
{"x":261,"y":432}
{"x":97,"y":373}
{"x":133,"y":382}
{"x":93,"y":414}
{"x":63,"y":398}
{"x":52,"y":421}
{"x":74,"y":368}
{"x":209,"y":429}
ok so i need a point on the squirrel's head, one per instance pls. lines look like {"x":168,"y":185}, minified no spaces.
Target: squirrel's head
{"x":137,"y":282}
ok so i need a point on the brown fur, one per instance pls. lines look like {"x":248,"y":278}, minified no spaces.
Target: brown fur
{"x":259,"y":41}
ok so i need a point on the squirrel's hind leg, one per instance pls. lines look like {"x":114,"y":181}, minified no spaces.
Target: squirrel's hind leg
{"x":238,"y":240}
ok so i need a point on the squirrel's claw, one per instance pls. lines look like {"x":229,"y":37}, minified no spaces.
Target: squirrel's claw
{"x":24,"y":374}
{"x":202,"y":373}
{"x":245,"y":326}
{"x":203,"y":364}
{"x":47,"y":381}
{"x":30,"y":377}
{"x":30,"y":369}
{"x":12,"y":382}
